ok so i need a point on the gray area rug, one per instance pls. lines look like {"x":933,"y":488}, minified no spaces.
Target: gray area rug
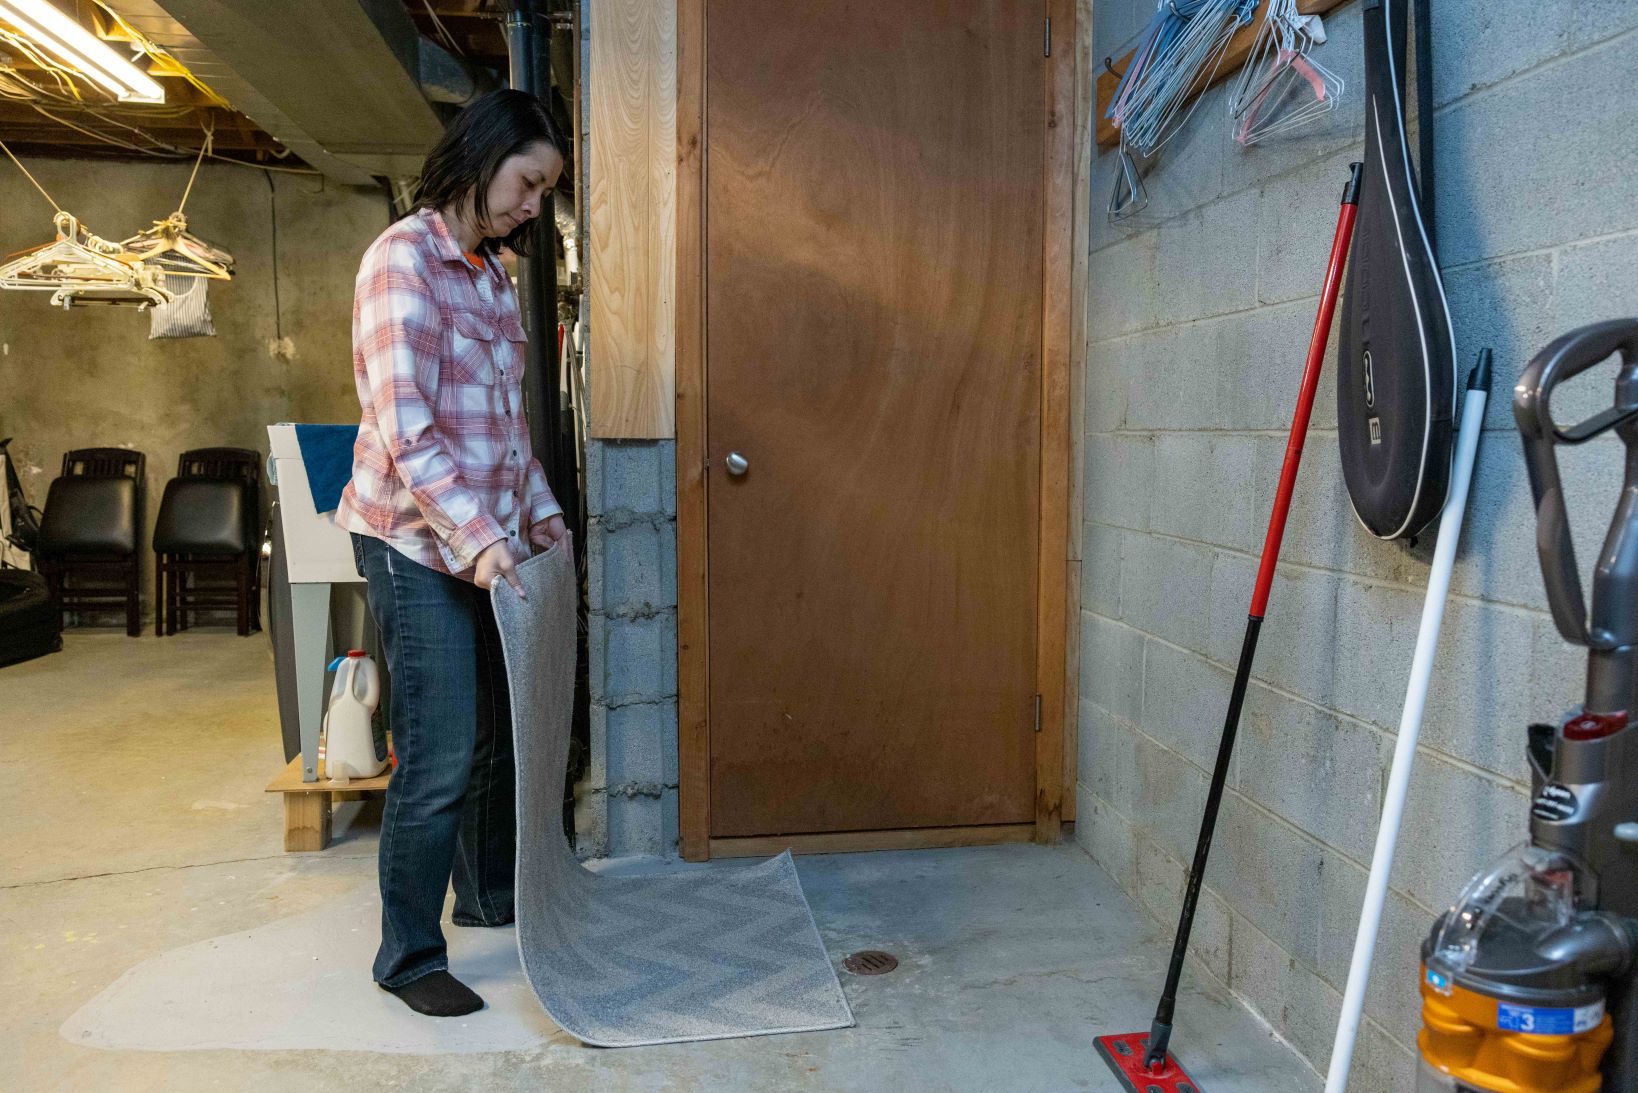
{"x":626,"y":961}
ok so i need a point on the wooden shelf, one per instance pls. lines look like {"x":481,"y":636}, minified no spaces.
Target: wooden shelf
{"x":307,"y":804}
{"x":289,"y":781}
{"x":1239,"y":48}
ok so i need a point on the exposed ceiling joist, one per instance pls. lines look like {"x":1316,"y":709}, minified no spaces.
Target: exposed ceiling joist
{"x":342,"y":84}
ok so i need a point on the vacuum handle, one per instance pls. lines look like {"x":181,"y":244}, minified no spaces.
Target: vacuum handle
{"x":1564,"y":358}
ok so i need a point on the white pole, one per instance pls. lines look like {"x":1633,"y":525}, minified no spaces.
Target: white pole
{"x":1410,"y":726}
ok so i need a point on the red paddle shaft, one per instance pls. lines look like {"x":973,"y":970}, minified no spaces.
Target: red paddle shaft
{"x":1155,"y":1059}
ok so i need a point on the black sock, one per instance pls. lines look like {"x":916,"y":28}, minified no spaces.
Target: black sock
{"x":468,"y":920}
{"x":438,"y":994}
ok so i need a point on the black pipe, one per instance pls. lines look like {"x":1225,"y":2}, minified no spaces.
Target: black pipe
{"x":537,"y":280}
{"x":1422,"y":36}
{"x":551,"y":421}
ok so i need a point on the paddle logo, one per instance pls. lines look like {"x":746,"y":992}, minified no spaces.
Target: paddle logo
{"x":1374,"y":422}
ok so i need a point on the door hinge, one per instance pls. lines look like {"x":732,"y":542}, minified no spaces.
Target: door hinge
{"x":1037,"y":713}
{"x":1046,"y":44}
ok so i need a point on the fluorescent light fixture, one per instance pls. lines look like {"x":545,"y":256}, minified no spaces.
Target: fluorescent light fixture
{"x":56,"y":33}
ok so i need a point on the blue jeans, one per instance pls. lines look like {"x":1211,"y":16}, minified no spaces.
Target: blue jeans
{"x":451,"y":803}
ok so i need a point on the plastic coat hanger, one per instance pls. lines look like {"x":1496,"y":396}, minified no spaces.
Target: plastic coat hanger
{"x":174,"y":250}
{"x":78,"y":267}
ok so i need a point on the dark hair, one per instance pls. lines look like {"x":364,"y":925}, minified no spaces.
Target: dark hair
{"x":471,"y":151}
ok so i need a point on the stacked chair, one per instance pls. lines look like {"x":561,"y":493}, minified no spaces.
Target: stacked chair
{"x":206,"y":547}
{"x":88,"y":548}
{"x":30,"y":624}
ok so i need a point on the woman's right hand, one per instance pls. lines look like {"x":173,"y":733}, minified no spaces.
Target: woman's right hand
{"x":495,"y":560}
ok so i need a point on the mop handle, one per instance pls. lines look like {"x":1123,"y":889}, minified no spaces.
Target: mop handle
{"x":1305,"y":397}
{"x":1410,"y":724}
{"x":1160,"y":1030}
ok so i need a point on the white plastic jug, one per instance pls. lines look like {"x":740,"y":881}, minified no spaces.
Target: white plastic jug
{"x":349,"y":744}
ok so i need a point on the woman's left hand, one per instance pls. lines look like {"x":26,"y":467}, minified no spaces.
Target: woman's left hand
{"x":549,"y":532}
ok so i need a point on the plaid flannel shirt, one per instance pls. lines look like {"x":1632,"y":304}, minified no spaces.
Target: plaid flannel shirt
{"x":442,"y":467}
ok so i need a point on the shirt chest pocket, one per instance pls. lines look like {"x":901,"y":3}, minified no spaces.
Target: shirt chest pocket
{"x":481,"y":349}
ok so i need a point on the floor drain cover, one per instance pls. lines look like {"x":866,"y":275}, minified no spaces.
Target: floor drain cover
{"x":871,"y":962}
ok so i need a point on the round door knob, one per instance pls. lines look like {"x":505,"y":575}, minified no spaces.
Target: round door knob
{"x":737,"y":464}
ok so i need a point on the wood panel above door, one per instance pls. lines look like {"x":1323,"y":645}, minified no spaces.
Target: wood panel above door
{"x":631,"y":212}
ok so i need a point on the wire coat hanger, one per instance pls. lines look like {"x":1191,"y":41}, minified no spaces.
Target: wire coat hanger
{"x":1282,"y":86}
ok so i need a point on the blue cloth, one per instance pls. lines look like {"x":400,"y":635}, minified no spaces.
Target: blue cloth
{"x":327,"y":452}
{"x":454,"y":789}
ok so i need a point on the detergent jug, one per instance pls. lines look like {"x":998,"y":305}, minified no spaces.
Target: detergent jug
{"x":349,"y":742}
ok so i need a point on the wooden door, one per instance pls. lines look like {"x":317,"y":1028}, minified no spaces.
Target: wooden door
{"x":873,"y":200}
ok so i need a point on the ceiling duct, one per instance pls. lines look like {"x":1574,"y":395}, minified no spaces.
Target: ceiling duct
{"x":351,"y":86}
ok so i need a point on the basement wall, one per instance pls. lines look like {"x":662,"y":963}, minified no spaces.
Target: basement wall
{"x":1198,"y":318}
{"x":89,"y":377}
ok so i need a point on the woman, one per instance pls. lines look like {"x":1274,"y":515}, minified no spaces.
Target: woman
{"x":445,"y":499}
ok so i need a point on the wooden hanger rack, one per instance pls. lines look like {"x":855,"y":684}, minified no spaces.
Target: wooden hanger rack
{"x":1239,"y":48}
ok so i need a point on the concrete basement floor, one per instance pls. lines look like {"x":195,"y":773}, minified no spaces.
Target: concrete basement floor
{"x":131,"y":776}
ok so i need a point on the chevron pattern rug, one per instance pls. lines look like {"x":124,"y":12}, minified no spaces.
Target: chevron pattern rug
{"x":625,"y":961}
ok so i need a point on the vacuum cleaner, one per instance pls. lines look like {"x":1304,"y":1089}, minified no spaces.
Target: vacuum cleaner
{"x":1528,"y":982}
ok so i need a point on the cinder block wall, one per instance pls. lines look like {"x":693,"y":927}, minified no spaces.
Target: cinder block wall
{"x":1199,"y":315}
{"x":628,"y":801}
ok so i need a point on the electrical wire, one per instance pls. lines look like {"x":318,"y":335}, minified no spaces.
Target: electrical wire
{"x":443,"y":31}
{"x":161,"y":150}
{"x":151,"y":49}
{"x":308,"y":171}
{"x":30,"y":177}
{"x":16,"y":87}
{"x":57,"y":72}
{"x":110,"y":120}
{"x":67,"y":97}
{"x":273,"y":219}
{"x":105,"y":138}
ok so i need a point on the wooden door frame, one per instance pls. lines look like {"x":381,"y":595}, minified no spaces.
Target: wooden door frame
{"x":1065,"y":118}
